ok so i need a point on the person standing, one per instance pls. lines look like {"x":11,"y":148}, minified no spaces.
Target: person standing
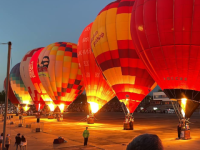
{"x":23,"y":143}
{"x":17,"y":141}
{"x":179,"y":130}
{"x":85,"y":136}
{"x":1,"y":140}
{"x":7,"y":142}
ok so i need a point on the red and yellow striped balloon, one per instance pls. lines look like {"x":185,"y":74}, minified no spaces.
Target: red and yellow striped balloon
{"x":97,"y":89}
{"x":114,"y":51}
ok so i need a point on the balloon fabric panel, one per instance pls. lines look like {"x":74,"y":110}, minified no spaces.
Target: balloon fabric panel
{"x":11,"y":95}
{"x":114,"y":51}
{"x":97,"y":89}
{"x":33,"y":72}
{"x":18,"y":87}
{"x":25,"y":75}
{"x":166,"y":36}
{"x":59,"y":72}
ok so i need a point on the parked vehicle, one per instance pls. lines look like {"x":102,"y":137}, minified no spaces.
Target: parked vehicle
{"x":169,"y":111}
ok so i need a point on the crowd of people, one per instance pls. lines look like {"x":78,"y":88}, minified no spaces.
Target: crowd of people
{"x":20,"y":142}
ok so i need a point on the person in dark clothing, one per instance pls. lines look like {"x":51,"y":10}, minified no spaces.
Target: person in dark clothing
{"x":23,"y":143}
{"x":7,"y":142}
{"x":145,"y":142}
{"x":1,"y":140}
{"x":179,"y":130}
{"x":23,"y":139}
{"x":17,"y":141}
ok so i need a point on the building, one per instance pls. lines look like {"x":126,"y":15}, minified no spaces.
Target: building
{"x":159,"y":98}
{"x":160,"y":101}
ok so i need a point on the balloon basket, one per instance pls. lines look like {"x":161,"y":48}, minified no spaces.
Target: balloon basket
{"x":128,"y":126}
{"x":37,"y":130}
{"x":185,"y":135}
{"x":51,"y":116}
{"x":90,"y":120}
{"x":59,"y":119}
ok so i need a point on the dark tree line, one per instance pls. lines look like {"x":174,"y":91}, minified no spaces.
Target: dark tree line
{"x":2,"y":97}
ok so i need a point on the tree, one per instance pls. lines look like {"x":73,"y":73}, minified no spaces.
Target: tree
{"x":2,"y":97}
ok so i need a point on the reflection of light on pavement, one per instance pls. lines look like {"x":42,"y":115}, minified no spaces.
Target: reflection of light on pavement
{"x":94,"y":107}
{"x":183,"y":106}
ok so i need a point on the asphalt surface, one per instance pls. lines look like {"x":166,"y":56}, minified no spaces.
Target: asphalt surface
{"x":107,"y":133}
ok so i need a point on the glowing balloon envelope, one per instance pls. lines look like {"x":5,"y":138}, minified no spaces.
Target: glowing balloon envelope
{"x":11,"y":95}
{"x":166,"y":37}
{"x":33,"y":71}
{"x":18,"y":87}
{"x":97,"y":89}
{"x":115,"y":53}
{"x":59,"y":72}
{"x":25,"y":72}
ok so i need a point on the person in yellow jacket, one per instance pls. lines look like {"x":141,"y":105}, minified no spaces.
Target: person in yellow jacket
{"x":85,"y":136}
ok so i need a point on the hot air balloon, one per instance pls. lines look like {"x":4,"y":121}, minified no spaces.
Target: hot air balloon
{"x":97,"y":90}
{"x":115,"y":53}
{"x":11,"y":95}
{"x":59,"y":73}
{"x":33,"y":72}
{"x":26,"y":74}
{"x":169,"y":50}
{"x":19,"y":89}
{"x":166,"y":37}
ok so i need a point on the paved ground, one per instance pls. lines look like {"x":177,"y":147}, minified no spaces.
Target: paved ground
{"x":106,"y":133}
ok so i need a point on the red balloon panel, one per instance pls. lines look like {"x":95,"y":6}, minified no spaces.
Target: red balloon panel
{"x":166,"y":37}
{"x":97,"y":89}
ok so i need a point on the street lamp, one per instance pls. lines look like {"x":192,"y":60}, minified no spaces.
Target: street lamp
{"x":6,"y":97}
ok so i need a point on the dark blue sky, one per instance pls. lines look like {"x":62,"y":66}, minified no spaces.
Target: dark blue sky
{"x":29,"y":24}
